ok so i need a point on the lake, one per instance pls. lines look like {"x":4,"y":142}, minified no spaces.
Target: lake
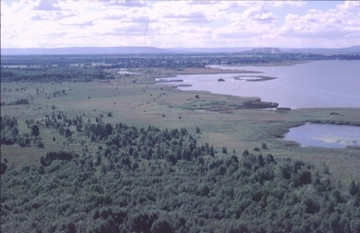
{"x":325,"y":135}
{"x":308,"y":85}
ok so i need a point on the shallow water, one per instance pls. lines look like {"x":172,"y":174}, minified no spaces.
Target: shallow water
{"x":325,"y":135}
{"x":308,"y":85}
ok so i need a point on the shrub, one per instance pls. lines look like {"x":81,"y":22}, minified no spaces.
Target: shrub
{"x":354,"y":189}
{"x":21,"y":142}
{"x":3,"y":168}
{"x":56,"y":155}
{"x":161,"y":226}
{"x":35,"y":131}
{"x":264,"y":146}
{"x":203,"y":190}
{"x":68,"y":133}
{"x":197,"y":130}
{"x":27,"y":141}
{"x":245,"y":153}
{"x":40,"y":144}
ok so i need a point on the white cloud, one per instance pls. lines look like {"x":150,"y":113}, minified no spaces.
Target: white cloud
{"x":287,"y":3}
{"x":195,"y":17}
{"x":259,"y":14}
{"x":53,"y":23}
{"x":332,"y":27}
{"x":47,"y":5}
{"x":125,"y":3}
{"x":350,"y":5}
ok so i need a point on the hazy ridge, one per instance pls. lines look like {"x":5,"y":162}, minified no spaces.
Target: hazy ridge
{"x":154,"y":50}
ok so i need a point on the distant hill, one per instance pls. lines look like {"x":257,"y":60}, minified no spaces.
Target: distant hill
{"x":210,"y":50}
{"x":179,"y":50}
{"x":82,"y":50}
{"x":266,"y":50}
{"x":352,"y":49}
{"x":115,"y":50}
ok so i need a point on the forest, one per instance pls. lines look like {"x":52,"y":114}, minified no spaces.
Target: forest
{"x":54,"y":74}
{"x":152,"y":180}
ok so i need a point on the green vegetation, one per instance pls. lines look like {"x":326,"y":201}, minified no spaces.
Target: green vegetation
{"x":9,"y":130}
{"x":152,"y":180}
{"x":128,"y":155}
{"x":53,"y":74}
{"x":17,"y":102}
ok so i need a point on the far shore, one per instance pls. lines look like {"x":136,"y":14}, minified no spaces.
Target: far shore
{"x":287,"y":63}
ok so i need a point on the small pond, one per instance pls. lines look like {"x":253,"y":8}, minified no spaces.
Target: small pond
{"x":325,"y":135}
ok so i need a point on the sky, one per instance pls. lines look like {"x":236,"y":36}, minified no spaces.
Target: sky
{"x":187,"y":24}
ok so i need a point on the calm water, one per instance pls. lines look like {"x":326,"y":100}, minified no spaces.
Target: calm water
{"x":309,"y":85}
{"x":323,"y":135}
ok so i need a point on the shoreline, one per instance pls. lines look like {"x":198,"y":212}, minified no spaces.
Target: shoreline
{"x":205,"y":71}
{"x":252,"y":103}
{"x":291,"y":63}
{"x":257,"y":78}
{"x":285,"y":99}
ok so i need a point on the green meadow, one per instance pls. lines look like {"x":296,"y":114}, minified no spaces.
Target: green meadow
{"x":140,"y":101}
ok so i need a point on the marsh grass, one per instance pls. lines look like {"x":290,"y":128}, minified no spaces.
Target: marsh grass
{"x":137,"y":100}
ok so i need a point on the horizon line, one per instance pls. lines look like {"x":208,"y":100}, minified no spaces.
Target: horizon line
{"x":178,"y":47}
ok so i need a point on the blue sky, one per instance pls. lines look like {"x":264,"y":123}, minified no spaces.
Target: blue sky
{"x":83,"y":23}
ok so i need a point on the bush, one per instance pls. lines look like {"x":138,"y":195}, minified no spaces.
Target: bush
{"x":56,"y":155}
{"x":245,"y":153}
{"x":224,"y":150}
{"x":354,"y":189}
{"x":21,"y":142}
{"x":8,"y":139}
{"x":197,"y":130}
{"x":68,"y":133}
{"x":27,"y":141}
{"x":40,"y":144}
{"x":203,"y":190}
{"x":35,"y":131}
{"x":3,"y":168}
{"x":161,"y":226}
{"x":264,"y":146}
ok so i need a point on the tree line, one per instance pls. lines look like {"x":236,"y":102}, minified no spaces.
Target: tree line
{"x":53,"y":74}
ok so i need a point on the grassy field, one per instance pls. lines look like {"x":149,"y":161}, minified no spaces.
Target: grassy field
{"x":137,"y":100}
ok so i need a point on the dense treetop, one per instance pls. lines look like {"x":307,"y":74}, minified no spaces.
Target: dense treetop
{"x":152,"y":180}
